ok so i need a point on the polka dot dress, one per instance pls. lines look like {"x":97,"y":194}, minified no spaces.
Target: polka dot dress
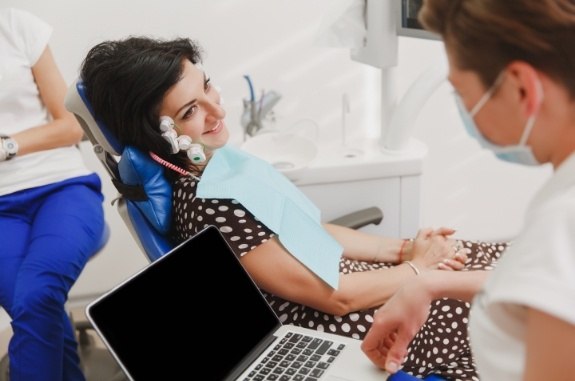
{"x":242,"y":231}
{"x":441,"y":346}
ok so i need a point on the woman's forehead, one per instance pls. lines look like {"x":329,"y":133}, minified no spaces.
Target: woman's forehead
{"x":188,"y":87}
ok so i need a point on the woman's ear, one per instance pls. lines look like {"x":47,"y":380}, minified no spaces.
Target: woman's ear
{"x":528,"y":86}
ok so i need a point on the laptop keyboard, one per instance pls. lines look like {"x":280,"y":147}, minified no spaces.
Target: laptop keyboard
{"x":296,"y":357}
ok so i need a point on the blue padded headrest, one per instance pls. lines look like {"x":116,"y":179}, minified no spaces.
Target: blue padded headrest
{"x":138,"y":168}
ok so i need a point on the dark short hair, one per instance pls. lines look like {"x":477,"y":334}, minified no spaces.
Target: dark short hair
{"x":126,"y":81}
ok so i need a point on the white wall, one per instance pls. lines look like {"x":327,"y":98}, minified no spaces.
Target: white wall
{"x":273,"y":42}
{"x":464,"y":187}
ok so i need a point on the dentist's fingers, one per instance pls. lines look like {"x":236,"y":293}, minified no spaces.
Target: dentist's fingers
{"x":395,"y":324}
{"x":397,"y":352}
{"x":389,"y":353}
{"x":461,"y":255}
{"x":424,"y":233}
{"x":450,"y":265}
{"x":378,"y":341}
{"x":390,"y":340}
{"x":456,"y":263}
{"x":444,"y":231}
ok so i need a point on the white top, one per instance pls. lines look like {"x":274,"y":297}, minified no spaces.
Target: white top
{"x":536,"y":271}
{"x":23,"y":38}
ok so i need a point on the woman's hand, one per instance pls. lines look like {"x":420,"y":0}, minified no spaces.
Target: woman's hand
{"x":433,"y":249}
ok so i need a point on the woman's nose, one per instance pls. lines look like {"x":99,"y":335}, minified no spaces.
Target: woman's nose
{"x":214,"y":108}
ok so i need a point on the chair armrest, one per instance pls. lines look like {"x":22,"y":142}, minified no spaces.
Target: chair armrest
{"x":360,"y":218}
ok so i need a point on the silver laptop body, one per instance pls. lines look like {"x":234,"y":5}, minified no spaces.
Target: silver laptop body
{"x":195,"y":314}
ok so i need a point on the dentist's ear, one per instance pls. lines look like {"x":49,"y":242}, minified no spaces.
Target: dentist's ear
{"x":530,"y":86}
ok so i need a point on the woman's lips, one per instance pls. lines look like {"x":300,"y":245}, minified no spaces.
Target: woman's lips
{"x":216,"y":129}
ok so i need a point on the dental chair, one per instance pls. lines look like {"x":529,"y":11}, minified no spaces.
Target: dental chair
{"x":145,"y":196}
{"x":144,"y":200}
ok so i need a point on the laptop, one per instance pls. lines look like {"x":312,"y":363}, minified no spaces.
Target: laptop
{"x":196,"y":314}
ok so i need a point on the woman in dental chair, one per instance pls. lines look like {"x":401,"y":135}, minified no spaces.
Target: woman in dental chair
{"x":155,"y":96}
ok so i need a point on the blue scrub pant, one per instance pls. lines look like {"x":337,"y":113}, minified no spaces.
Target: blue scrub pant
{"x":47,"y":235}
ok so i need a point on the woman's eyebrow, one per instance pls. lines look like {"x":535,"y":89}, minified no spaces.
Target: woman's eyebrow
{"x":190,"y":103}
{"x":185,"y":106}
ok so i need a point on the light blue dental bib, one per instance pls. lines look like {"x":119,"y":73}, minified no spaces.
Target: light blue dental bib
{"x":276,"y":202}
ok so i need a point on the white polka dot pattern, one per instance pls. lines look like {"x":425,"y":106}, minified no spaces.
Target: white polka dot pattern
{"x":242,"y":230}
{"x":441,"y":347}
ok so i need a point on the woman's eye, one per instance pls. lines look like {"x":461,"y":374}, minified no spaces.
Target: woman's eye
{"x":190,"y":112}
{"x":207,"y":84}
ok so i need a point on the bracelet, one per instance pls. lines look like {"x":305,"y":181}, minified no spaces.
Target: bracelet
{"x":414,"y":268}
{"x":401,"y":250}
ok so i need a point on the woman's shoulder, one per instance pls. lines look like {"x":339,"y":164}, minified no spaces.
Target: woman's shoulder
{"x":185,"y":182}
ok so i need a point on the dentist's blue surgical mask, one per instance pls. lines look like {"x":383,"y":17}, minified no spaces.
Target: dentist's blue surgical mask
{"x":520,"y":153}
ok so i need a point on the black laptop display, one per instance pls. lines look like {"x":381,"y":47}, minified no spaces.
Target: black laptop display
{"x":184,"y":303}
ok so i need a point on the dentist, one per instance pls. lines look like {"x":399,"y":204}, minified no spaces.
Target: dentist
{"x":512,"y":66}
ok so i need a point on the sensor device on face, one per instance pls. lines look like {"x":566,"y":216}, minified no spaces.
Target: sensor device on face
{"x":194,"y":151}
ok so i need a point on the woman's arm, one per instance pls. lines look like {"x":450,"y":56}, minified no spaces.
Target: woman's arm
{"x":362,"y":246}
{"x":63,"y":130}
{"x":278,"y":272}
{"x":550,"y":347}
{"x":433,"y":247}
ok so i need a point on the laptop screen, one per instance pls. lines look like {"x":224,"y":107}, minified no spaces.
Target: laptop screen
{"x":193,"y":307}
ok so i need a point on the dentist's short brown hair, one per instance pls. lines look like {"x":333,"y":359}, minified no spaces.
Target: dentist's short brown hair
{"x":486,"y":35}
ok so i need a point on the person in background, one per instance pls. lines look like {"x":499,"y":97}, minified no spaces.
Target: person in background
{"x":51,"y":213}
{"x":512,"y":67}
{"x":154,"y":95}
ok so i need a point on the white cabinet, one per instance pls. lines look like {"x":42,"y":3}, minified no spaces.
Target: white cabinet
{"x":341,"y":184}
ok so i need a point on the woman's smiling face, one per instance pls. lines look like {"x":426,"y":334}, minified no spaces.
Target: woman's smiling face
{"x":194,"y":105}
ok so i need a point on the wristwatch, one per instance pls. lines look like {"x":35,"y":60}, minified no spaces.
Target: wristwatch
{"x":8,"y":148}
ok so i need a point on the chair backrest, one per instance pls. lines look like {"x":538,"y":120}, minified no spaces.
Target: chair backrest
{"x":145,"y":196}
